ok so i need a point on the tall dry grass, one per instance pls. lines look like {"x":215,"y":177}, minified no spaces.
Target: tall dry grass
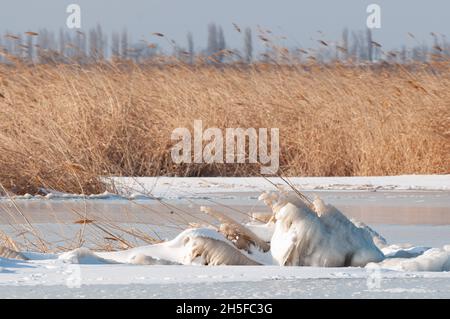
{"x":63,"y":126}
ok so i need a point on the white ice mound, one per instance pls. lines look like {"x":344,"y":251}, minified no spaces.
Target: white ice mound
{"x":434,"y":259}
{"x":202,"y":246}
{"x":317,"y":235}
{"x":403,"y":251}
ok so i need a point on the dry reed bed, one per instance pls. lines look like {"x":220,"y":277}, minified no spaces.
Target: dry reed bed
{"x":62,"y":126}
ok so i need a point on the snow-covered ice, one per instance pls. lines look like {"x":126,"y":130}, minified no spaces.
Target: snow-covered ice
{"x":176,"y":187}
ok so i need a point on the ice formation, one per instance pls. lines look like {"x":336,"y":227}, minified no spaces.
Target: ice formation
{"x":299,"y":232}
{"x":316,"y":234}
{"x":200,"y":246}
{"x":434,"y":259}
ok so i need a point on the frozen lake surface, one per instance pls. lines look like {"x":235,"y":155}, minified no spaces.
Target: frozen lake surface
{"x":420,"y":217}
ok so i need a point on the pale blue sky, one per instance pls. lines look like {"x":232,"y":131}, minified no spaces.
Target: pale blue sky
{"x":298,"y":20}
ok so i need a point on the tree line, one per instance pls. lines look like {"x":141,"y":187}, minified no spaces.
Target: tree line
{"x":95,"y":45}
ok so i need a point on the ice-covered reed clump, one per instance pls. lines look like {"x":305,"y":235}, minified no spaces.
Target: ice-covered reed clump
{"x":194,"y":246}
{"x":297,"y":233}
{"x":316,"y":234}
